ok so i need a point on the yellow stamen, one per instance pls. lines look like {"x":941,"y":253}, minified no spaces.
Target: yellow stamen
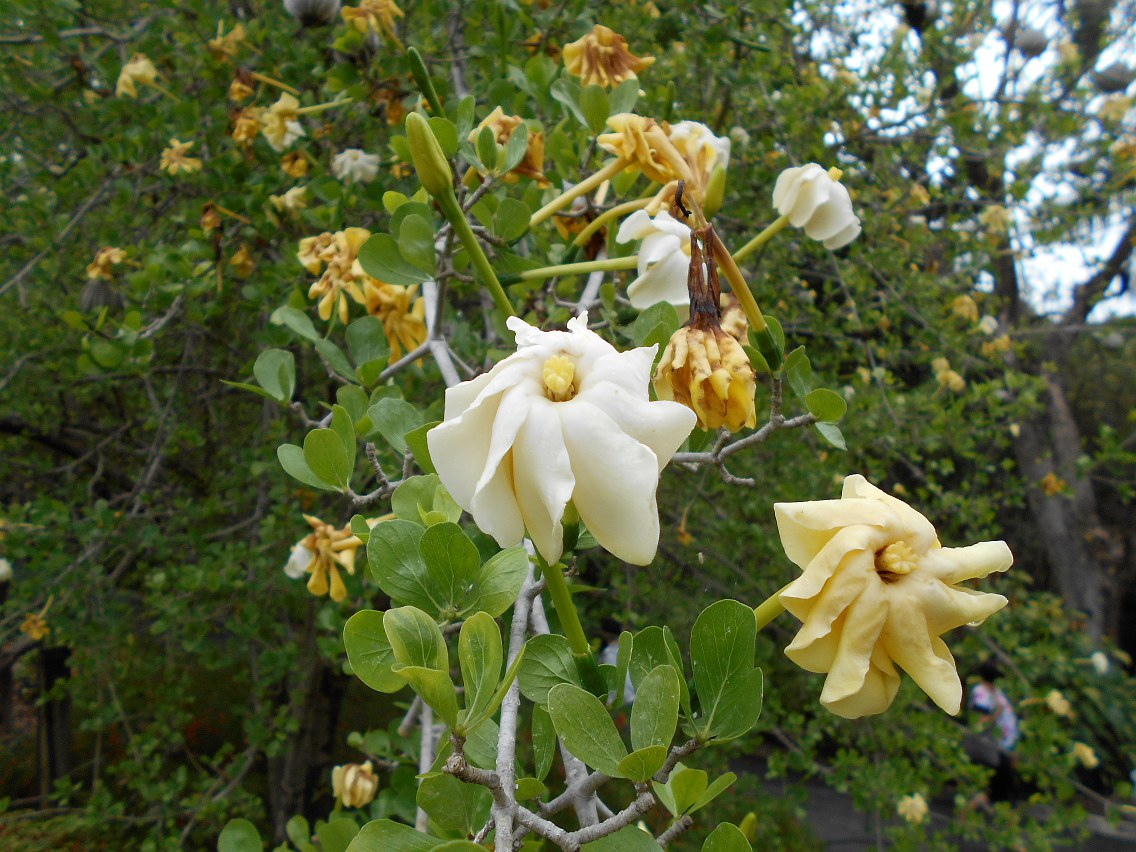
{"x":559,"y":374}
{"x":895,"y":560}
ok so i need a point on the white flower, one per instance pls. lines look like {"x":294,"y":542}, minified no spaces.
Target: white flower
{"x":5,"y":571}
{"x":298,"y":562}
{"x":292,"y":201}
{"x":814,"y":201}
{"x":1099,"y":660}
{"x":739,"y":135}
{"x":664,"y":259}
{"x":700,"y":147}
{"x":988,"y":324}
{"x":355,"y":166}
{"x":565,"y":418}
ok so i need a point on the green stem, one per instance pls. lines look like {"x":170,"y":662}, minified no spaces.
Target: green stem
{"x":565,"y":608}
{"x":586,"y":185}
{"x":768,"y":610}
{"x":627,"y":207}
{"x":453,"y":212}
{"x":606,"y":265}
{"x":761,"y":239}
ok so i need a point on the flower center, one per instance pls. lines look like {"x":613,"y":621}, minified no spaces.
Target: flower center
{"x":895,"y":560}
{"x":559,"y":377}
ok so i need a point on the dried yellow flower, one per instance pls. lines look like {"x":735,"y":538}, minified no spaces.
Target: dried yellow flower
{"x":876,"y":590}
{"x":291,"y":202}
{"x":295,"y":164}
{"x":913,"y":808}
{"x":355,"y":784}
{"x":319,"y":554}
{"x":138,"y":70}
{"x":375,"y":16}
{"x":645,"y":145}
{"x":965,"y":307}
{"x":1051,"y":484}
{"x":175,"y":158}
{"x":105,"y":258}
{"x":343,"y":274}
{"x":503,"y":127}
{"x":403,"y":316}
{"x":601,"y":58}
{"x":247,"y":125}
{"x":34,"y":626}
{"x":210,"y":218}
{"x":239,"y":91}
{"x":242,"y":262}
{"x":224,"y":45}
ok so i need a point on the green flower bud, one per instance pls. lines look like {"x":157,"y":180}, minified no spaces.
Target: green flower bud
{"x":715,"y":191}
{"x":429,"y":161}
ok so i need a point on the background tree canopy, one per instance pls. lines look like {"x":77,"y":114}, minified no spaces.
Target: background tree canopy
{"x":159,"y":674}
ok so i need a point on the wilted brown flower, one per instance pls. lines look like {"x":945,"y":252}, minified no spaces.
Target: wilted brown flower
{"x":601,"y":58}
{"x":503,"y":127}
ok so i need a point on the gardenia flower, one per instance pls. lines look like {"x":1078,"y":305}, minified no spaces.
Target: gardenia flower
{"x":565,"y":418}
{"x":646,"y":146}
{"x":247,"y":125}
{"x":1085,"y":756}
{"x":138,"y":70}
{"x":105,"y":258}
{"x":403,"y":316}
{"x":375,"y":16}
{"x":292,"y":201}
{"x":175,"y":158}
{"x":1059,"y":704}
{"x":343,"y":275}
{"x":1100,"y":662}
{"x":703,"y":151}
{"x":814,"y":201}
{"x":355,"y":784}
{"x":321,"y":553}
{"x":913,"y":808}
{"x":355,"y":166}
{"x":664,"y":258}
{"x":877,"y":590}
{"x":601,"y":58}
{"x":281,"y":124}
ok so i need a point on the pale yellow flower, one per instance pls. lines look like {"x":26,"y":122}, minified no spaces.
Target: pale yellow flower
{"x":877,"y":590}
{"x":106,"y":258}
{"x":1059,"y":704}
{"x":138,"y":70}
{"x":295,"y":164}
{"x":176,"y":159}
{"x":403,"y":316}
{"x":292,"y":201}
{"x":646,"y":146}
{"x":375,"y":16}
{"x":355,"y":784}
{"x":280,"y":122}
{"x":242,"y":262}
{"x":224,"y":45}
{"x":343,"y":274}
{"x":247,"y":125}
{"x":1085,"y":756}
{"x":239,"y":90}
{"x":946,"y":377}
{"x":503,"y":126}
{"x":964,"y":307}
{"x":601,"y":58}
{"x":316,"y":251}
{"x":319,"y":554}
{"x":913,"y":808}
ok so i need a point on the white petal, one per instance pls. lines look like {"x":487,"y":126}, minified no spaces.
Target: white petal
{"x":543,"y":477}
{"x":663,"y":282}
{"x":635,"y":227}
{"x":298,"y":562}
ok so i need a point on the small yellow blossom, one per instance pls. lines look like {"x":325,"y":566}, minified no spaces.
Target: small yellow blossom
{"x":247,"y":125}
{"x":327,"y":548}
{"x":996,"y":219}
{"x":1051,"y":484}
{"x":175,"y":158}
{"x":1059,"y":704}
{"x":291,"y":202}
{"x":878,"y":589}
{"x":239,"y":90}
{"x":295,"y":164}
{"x":503,"y":127}
{"x":105,"y":258}
{"x":35,"y":627}
{"x":946,"y":377}
{"x":998,"y":345}
{"x":210,"y":218}
{"x":139,"y":70}
{"x":965,"y":307}
{"x":343,"y":274}
{"x":224,"y":45}
{"x":403,"y":316}
{"x":242,"y":262}
{"x":601,"y":58}
{"x":1085,"y":756}
{"x":913,"y":808}
{"x":281,"y":124}
{"x":355,"y":784}
{"x":646,"y":146}
{"x":375,"y":16}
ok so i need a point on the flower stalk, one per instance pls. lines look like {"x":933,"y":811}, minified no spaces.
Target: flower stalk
{"x":620,"y":209}
{"x":584,"y":267}
{"x":271,"y":81}
{"x":769,"y":609}
{"x":585,"y":186}
{"x":761,"y":239}
{"x":565,"y":608}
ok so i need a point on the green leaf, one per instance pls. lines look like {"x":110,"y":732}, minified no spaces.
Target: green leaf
{"x":435,"y":688}
{"x":275,"y":371}
{"x":296,"y":320}
{"x":446,"y":132}
{"x":417,"y":444}
{"x":360,"y":528}
{"x":454,"y":805}
{"x":416,"y":243}
{"x":622,"y":98}
{"x":716,"y":788}
{"x":826,"y":405}
{"x":567,"y":92}
{"x":342,"y":426}
{"x":416,"y":639}
{"x":548,"y":663}
{"x":299,"y":832}
{"x":757,"y":360}
{"x":452,"y":565}
{"x":327,"y":456}
{"x":622,"y":661}
{"x":415,"y":496}
{"x":335,"y":358}
{"x":727,"y":837}
{"x":776,"y":332}
{"x":659,"y":313}
{"x":585,"y":728}
{"x":515,"y":150}
{"x":831,"y":433}
{"x":393,"y":418}
{"x":511,"y":219}
{"x":487,"y":148}
{"x":480,"y":656}
{"x":336,"y":835}
{"x":397,"y":564}
{"x":544,"y":741}
{"x":296,"y":466}
{"x":642,"y":763}
{"x":354,"y":399}
{"x":655,"y":646}
{"x":393,"y":200}
{"x":384,"y":835}
{"x":686,"y":787}
{"x":380,"y":258}
{"x":259,"y":391}
{"x":529,"y":788}
{"x":629,"y":839}
{"x":367,"y":343}
{"x":462,"y":845}
{"x":239,"y":835}
{"x":595,"y":106}
{"x":369,"y":651}
{"x":464,"y":115}
{"x":799,"y":372}
{"x":721,"y":657}
{"x":501,"y":579}
{"x":654,"y":715}
{"x":739,"y":706}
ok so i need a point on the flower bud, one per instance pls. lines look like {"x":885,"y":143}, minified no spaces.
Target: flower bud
{"x":708,"y":372}
{"x":715,"y":191}
{"x":354,"y":785}
{"x":429,"y":160}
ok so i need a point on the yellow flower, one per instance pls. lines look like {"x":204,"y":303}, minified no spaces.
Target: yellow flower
{"x":1085,"y":756}
{"x":946,"y":377}
{"x":342,"y":276}
{"x":403,"y":316}
{"x":281,"y":122}
{"x":319,"y":553}
{"x":291,"y":202}
{"x":105,"y":258}
{"x":239,"y":90}
{"x":295,"y":164}
{"x":175,"y":158}
{"x":964,"y":307}
{"x":226,"y":44}
{"x":878,"y":589}
{"x":1059,"y":704}
{"x":34,"y":627}
{"x":242,"y":262}
{"x":1051,"y":484}
{"x":996,"y":219}
{"x":138,"y":70}
{"x":355,"y":784}
{"x":913,"y":808}
{"x":375,"y":16}
{"x":601,"y":58}
{"x":247,"y":125}
{"x":210,"y":218}
{"x":999,"y":344}
{"x":646,"y":146}
{"x":734,"y":321}
{"x":709,"y":373}
{"x":503,"y":126}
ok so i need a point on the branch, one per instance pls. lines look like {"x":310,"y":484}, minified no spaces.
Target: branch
{"x":1087,"y":294}
{"x":677,"y":828}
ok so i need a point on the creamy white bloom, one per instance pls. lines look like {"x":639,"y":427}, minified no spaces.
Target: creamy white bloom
{"x":5,"y":571}
{"x":298,"y":562}
{"x":355,"y":166}
{"x":565,"y":418}
{"x":664,"y":259}
{"x":1099,"y":659}
{"x":739,"y":135}
{"x":700,"y":147}
{"x":988,"y":325}
{"x":814,"y":201}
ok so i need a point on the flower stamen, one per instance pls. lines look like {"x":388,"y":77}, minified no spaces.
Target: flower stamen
{"x":559,"y":377}
{"x":895,"y":560}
